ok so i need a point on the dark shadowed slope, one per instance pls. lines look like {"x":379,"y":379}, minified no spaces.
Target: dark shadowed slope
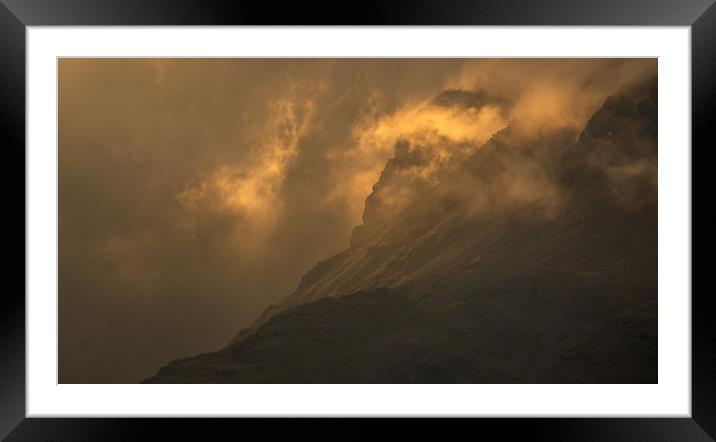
{"x":535,"y":260}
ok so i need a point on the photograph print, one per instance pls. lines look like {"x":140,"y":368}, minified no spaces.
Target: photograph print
{"x":329,"y":221}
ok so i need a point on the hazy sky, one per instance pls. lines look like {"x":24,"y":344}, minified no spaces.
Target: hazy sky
{"x":194,"y":193}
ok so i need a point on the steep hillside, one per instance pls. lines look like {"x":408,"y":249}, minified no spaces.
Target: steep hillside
{"x":532,"y":259}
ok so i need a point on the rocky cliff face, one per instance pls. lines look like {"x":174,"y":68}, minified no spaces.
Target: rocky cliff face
{"x":527,"y":259}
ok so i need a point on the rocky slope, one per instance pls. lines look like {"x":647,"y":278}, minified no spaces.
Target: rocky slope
{"x":533,"y":259}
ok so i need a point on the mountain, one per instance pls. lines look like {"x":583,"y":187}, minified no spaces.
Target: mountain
{"x":529,"y":259}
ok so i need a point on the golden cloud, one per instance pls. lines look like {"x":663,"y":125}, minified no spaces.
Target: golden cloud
{"x":443,"y":133}
{"x":251,"y":190}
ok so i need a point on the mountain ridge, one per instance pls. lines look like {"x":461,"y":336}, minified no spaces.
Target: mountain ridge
{"x":501,"y":273}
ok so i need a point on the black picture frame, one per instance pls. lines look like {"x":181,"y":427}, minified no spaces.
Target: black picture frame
{"x":16,"y":15}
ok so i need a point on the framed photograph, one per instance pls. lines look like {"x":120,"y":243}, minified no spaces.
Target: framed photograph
{"x":448,"y":210}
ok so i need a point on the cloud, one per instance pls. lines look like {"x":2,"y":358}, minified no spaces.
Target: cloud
{"x":439,"y":135}
{"x":250,"y":189}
